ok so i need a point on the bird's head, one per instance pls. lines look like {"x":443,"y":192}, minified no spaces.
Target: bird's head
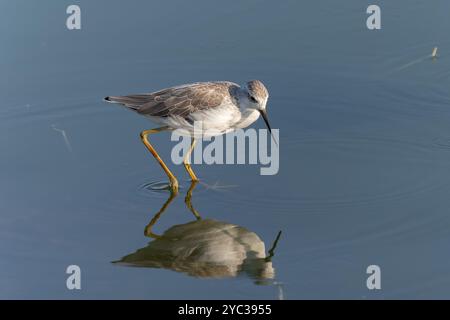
{"x":257,"y":95}
{"x":257,"y":99}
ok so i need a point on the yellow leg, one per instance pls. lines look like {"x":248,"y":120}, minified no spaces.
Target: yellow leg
{"x":186,"y":161}
{"x":173,"y":180}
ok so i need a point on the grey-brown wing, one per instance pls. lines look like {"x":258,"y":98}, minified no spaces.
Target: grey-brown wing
{"x":179,"y":101}
{"x":183,"y":100}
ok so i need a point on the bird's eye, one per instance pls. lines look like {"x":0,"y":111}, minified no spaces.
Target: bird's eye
{"x":253,"y":99}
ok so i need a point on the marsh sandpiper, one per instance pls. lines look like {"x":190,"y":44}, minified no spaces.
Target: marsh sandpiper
{"x":219,"y":106}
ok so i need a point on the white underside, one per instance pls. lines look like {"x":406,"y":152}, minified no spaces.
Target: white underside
{"x":210,"y":122}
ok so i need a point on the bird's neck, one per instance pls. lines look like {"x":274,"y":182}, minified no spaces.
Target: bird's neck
{"x":243,"y":101}
{"x":248,"y":113}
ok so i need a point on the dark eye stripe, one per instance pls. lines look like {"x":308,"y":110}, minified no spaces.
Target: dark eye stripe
{"x":253,"y":99}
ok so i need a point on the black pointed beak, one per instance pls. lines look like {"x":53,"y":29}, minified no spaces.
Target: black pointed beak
{"x":266,"y":120}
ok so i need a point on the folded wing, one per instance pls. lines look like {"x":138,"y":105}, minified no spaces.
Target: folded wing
{"x":178,"y":101}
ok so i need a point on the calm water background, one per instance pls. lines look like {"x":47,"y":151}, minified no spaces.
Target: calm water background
{"x":364,"y":134}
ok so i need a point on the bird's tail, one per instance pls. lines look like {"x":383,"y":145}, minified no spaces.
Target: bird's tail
{"x":133,"y":102}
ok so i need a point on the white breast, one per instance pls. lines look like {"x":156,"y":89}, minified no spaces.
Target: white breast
{"x":247,"y":118}
{"x":212,"y":122}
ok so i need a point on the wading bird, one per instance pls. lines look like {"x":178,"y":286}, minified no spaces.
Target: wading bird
{"x":220,"y":106}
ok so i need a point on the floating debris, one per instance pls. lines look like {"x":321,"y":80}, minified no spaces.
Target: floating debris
{"x":434,"y":53}
{"x":414,"y":62}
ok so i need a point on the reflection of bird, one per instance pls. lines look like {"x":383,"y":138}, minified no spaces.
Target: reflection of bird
{"x":218,"y":107}
{"x":206,"y":248}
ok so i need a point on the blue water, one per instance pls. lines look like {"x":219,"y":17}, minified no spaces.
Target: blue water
{"x":364,"y":150}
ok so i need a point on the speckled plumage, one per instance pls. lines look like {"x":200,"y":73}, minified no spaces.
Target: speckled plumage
{"x":180,"y":101}
{"x":258,"y":89}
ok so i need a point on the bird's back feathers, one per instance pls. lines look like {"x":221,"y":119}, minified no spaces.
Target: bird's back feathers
{"x":178,"y":101}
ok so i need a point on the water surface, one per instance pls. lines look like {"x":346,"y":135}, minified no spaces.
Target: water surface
{"x":364,"y":140}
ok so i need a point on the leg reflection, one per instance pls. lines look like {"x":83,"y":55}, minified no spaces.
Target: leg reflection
{"x":188,"y":200}
{"x":148,"y":229}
